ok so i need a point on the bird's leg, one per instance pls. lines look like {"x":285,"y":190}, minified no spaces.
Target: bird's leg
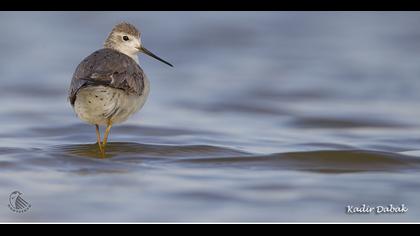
{"x":108,"y":128}
{"x":98,"y":135}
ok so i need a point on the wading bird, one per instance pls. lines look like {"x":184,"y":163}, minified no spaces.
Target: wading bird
{"x":109,"y":85}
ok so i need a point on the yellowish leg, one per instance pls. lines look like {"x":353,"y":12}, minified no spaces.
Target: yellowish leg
{"x":108,"y":129}
{"x":98,"y":135}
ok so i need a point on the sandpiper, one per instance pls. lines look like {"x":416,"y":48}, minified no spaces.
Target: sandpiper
{"x":108,"y":86}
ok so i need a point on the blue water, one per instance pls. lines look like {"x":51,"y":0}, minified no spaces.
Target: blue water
{"x":266,"y":116}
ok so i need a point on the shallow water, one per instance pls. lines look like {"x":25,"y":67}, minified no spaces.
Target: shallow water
{"x":267,"y":116}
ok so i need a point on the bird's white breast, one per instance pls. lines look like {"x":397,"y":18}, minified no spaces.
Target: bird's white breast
{"x":98,"y":104}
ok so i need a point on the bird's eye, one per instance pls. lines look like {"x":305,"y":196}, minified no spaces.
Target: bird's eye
{"x":125,"y":37}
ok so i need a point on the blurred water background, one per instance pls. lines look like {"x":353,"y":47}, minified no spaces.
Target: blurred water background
{"x":266,"y":116}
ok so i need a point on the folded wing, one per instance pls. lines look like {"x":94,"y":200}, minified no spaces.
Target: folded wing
{"x":110,"y":68}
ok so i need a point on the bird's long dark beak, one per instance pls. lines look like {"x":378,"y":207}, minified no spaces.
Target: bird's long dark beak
{"x":149,"y":53}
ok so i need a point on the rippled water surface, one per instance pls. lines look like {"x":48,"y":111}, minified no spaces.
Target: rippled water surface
{"x":266,"y":116}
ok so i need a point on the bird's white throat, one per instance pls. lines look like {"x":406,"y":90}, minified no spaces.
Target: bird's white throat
{"x":133,"y":54}
{"x":135,"y":57}
{"x":129,"y":48}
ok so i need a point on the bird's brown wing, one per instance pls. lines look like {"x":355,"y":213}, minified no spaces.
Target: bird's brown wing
{"x":107,"y":67}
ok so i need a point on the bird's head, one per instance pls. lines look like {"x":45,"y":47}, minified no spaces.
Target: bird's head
{"x":126,"y":39}
{"x":14,"y":196}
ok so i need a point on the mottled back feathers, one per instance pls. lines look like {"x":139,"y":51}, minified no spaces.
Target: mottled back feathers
{"x":110,"y":68}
